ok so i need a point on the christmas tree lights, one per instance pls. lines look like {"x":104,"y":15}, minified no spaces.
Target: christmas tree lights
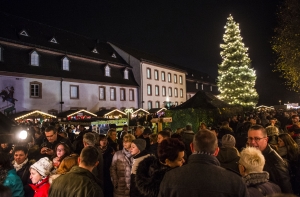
{"x":236,"y":79}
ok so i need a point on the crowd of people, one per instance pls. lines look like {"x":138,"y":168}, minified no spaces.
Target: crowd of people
{"x":256,"y":156}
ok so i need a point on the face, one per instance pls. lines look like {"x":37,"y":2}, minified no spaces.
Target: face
{"x":4,"y":145}
{"x":103,"y":142}
{"x":257,"y":139}
{"x":36,"y":135}
{"x":178,"y":161}
{"x":159,"y":138}
{"x":35,"y":176}
{"x":134,"y":149}
{"x":60,"y":151}
{"x":51,"y":136}
{"x":20,"y":156}
{"x":138,"y":132}
{"x":252,"y":121}
{"x":295,"y":119}
{"x":126,"y":145}
{"x":280,"y":142}
{"x":113,"y":135}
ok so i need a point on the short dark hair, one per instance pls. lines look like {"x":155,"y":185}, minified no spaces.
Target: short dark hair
{"x":259,"y":127}
{"x":164,"y":133}
{"x":169,"y":149}
{"x":5,"y":191}
{"x":102,"y":137}
{"x":20,"y":148}
{"x":51,"y":128}
{"x":89,"y":156}
{"x":89,"y":138}
{"x":205,"y":141}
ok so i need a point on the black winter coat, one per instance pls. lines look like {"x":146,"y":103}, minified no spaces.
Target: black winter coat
{"x":149,"y":175}
{"x":278,"y":170}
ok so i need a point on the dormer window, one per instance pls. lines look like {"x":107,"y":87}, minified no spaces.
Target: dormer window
{"x":114,"y":55}
{"x":196,"y":86}
{"x":34,"y":59}
{"x":53,"y":40}
{"x":24,"y":33}
{"x":125,"y":74}
{"x":107,"y":71}
{"x":66,"y":64}
{"x":95,"y":50}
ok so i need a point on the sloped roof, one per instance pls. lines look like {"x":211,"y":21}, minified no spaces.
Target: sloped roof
{"x":203,"y":100}
{"x":71,"y":112}
{"x":84,"y":64}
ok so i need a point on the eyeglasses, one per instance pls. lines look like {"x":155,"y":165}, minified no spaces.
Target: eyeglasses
{"x":256,"y":139}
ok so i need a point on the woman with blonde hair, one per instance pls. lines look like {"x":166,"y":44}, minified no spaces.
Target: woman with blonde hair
{"x":65,"y":166}
{"x":120,"y":169}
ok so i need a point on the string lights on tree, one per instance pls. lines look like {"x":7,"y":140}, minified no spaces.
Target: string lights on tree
{"x":236,"y":79}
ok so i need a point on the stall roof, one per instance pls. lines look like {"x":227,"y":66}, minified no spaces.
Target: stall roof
{"x":33,"y":114}
{"x":73,"y":112}
{"x":106,"y":112}
{"x":140,"y":109}
{"x":156,"y":110}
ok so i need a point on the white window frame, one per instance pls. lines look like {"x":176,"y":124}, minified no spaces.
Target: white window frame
{"x":170,"y":91}
{"x":181,"y":93}
{"x":149,"y":89}
{"x":112,"y":94}
{"x":169,"y":77}
{"x":131,"y":94}
{"x":107,"y":71}
{"x":156,"y":75}
{"x":180,"y":79}
{"x":156,"y":90}
{"x":163,"y":76}
{"x":66,"y":64}
{"x":74,"y":92}
{"x":35,"y":89}
{"x":175,"y":92}
{"x":164,"y":91}
{"x":148,"y":73}
{"x":34,"y":59}
{"x":122,"y":94}
{"x":126,"y":74}
{"x":175,"y":78}
{"x":102,"y":90}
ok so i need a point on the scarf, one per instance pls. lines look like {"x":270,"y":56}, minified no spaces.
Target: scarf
{"x":256,"y":178}
{"x":3,"y":174}
{"x":19,"y":166}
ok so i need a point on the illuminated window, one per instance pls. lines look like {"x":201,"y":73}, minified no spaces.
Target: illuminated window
{"x":181,"y":93}
{"x":156,"y":77}
{"x":196,"y":86}
{"x":163,"y":91}
{"x":157,"y":104}
{"x":149,"y":89}
{"x":107,"y":71}
{"x":170,"y":92}
{"x":149,"y":105}
{"x":180,"y":79}
{"x":131,"y":95}
{"x":148,"y":73}
{"x":175,"y":92}
{"x":35,"y":89}
{"x":125,"y":74}
{"x":156,"y":90}
{"x":102,"y":93}
{"x":112,"y":94}
{"x":34,"y":59}
{"x":163,"y":76}
{"x":122,"y":94}
{"x":66,"y":63}
{"x":169,"y":77}
{"x":74,"y":92}
{"x":175,"y":78}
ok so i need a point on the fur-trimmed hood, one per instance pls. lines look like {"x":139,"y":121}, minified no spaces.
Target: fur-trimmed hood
{"x":149,"y":175}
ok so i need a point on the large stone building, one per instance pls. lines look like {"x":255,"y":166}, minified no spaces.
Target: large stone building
{"x":53,"y":70}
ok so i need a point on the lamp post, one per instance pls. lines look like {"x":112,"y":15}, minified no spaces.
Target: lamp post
{"x":128,"y":112}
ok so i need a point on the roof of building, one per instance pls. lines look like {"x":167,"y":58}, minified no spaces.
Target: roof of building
{"x":22,"y":36}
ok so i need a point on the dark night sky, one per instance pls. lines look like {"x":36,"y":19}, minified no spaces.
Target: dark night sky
{"x":187,"y":33}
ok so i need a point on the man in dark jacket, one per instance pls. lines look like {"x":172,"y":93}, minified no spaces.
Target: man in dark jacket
{"x":80,"y":181}
{"x":275,"y":166}
{"x":202,"y":176}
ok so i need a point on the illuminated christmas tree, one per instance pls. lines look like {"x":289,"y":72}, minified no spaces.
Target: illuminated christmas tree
{"x":236,"y":78}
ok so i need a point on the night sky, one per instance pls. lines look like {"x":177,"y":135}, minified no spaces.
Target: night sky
{"x":187,"y":33}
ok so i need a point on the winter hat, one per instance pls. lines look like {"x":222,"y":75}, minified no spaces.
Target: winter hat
{"x":140,"y":143}
{"x":228,"y":141}
{"x":43,"y":166}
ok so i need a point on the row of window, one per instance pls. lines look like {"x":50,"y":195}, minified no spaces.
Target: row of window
{"x":163,"y":76}
{"x":35,"y":61}
{"x":164,"y":91}
{"x":157,"y":104}
{"x":36,"y":92}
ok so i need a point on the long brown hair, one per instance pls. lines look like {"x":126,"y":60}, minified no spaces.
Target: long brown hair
{"x":291,"y":145}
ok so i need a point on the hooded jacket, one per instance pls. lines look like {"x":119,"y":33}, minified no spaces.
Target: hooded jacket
{"x":14,"y":182}
{"x":77,"y":182}
{"x":41,"y":189}
{"x":149,"y":175}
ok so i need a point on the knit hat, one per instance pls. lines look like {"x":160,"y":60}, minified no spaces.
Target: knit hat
{"x":140,"y":143}
{"x":43,"y":166}
{"x":228,"y":141}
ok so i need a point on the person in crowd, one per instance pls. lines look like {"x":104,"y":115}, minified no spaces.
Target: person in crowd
{"x":187,"y":138}
{"x":179,"y":130}
{"x":228,"y":155}
{"x":61,"y":151}
{"x":89,"y":139}
{"x":38,"y":137}
{"x":294,"y":132}
{"x":251,"y":164}
{"x":147,"y":131}
{"x":6,"y":147}
{"x":65,"y":166}
{"x":77,"y":143}
{"x":9,"y":177}
{"x":215,"y":130}
{"x":107,"y":153}
{"x":22,"y":165}
{"x":202,"y":126}
{"x":39,"y":175}
{"x":112,"y":139}
{"x":71,"y":135}
{"x":153,"y":144}
{"x":63,"y":134}
{"x":294,"y":120}
{"x":151,"y":170}
{"x":274,"y":165}
{"x":202,"y":175}
{"x":120,"y":169}
{"x":79,"y":181}
{"x":52,"y":139}
{"x":121,"y":134}
{"x":272,"y":133}
{"x":225,"y":129}
{"x":233,"y":123}
{"x":163,"y":135}
{"x":5,"y":191}
{"x":139,"y":132}
{"x":289,"y":151}
{"x":138,"y":153}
